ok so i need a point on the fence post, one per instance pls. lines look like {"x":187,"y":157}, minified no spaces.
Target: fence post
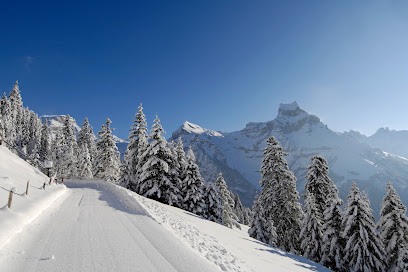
{"x":44,"y":186}
{"x":28,"y":182}
{"x":10,"y":197}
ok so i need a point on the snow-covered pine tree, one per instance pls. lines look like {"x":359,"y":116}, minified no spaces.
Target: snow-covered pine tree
{"x":69,"y":154}
{"x":86,"y":137}
{"x":279,"y":197}
{"x":125,"y":179}
{"x":318,"y":182}
{"x":7,"y":119}
{"x":259,"y":227}
{"x":45,"y":143}
{"x":107,"y":161}
{"x":333,"y":242}
{"x":229,"y":218}
{"x":23,"y":133}
{"x":393,"y":226}
{"x":327,"y":204}
{"x":174,"y":171}
{"x":84,"y":164}
{"x":33,"y":145}
{"x":213,"y":204}
{"x":364,"y":249}
{"x":239,"y":209}
{"x":57,"y":150}
{"x":155,"y":180}
{"x":181,"y":158}
{"x":311,"y":235}
{"x":192,"y":188}
{"x":137,"y":145}
{"x":247,"y":216}
{"x":16,"y":109}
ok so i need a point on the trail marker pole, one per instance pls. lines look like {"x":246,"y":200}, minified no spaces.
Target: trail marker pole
{"x":10,"y":199}
{"x":28,"y":184}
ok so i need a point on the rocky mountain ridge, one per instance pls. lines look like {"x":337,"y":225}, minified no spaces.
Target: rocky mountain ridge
{"x":238,"y":155}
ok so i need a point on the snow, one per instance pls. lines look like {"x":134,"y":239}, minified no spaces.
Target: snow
{"x":15,"y":172}
{"x":229,"y":249}
{"x":239,"y":155}
{"x":56,"y":122}
{"x":99,"y":226}
{"x":196,"y":129}
{"x":289,"y":107}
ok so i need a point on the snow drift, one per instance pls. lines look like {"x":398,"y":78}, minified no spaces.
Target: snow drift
{"x":14,"y":173}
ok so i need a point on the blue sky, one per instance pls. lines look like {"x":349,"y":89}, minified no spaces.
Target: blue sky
{"x":219,"y":64}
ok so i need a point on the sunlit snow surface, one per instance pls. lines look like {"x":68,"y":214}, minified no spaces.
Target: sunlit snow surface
{"x":98,"y":226}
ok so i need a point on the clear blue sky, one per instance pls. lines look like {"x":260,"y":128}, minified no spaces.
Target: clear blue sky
{"x":220,"y":64}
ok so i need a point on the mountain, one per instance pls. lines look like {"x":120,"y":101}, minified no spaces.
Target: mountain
{"x":391,"y":141}
{"x":56,"y":122}
{"x":239,"y":155}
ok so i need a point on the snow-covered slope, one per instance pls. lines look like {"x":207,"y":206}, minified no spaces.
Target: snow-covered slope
{"x":391,"y":141}
{"x":14,"y":173}
{"x":209,"y":148}
{"x":228,"y":249}
{"x":302,"y":135}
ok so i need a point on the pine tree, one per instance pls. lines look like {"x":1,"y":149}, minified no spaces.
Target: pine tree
{"x":259,"y":227}
{"x":22,"y":131}
{"x":85,"y":164}
{"x":107,"y":161}
{"x":213,"y":204}
{"x":155,"y":180}
{"x":16,"y":111}
{"x":175,"y":172}
{"x":328,"y":213}
{"x":181,"y":158}
{"x":7,"y":119}
{"x":69,"y":154}
{"x":193,"y":184}
{"x":279,"y":197}
{"x":45,"y":143}
{"x":229,"y":218}
{"x":393,"y":226}
{"x":333,"y":242}
{"x":239,"y":209}
{"x":34,"y":127}
{"x":137,"y":145}
{"x":318,"y":182}
{"x":86,"y":137}
{"x":57,"y":150}
{"x":311,"y":235}
{"x":247,"y":216}
{"x":364,"y":250}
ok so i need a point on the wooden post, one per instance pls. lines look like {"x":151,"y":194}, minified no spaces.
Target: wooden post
{"x":10,"y":197}
{"x":28,"y":182}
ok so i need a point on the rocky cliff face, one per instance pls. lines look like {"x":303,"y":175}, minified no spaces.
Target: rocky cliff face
{"x":238,"y":155}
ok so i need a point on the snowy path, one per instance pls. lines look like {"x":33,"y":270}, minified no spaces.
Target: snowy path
{"x":88,"y":229}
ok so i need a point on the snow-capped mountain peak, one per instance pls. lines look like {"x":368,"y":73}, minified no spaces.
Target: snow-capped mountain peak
{"x":293,"y":117}
{"x":196,"y":129}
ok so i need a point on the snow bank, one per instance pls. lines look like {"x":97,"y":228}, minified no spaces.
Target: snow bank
{"x":15,"y":172}
{"x":228,"y":249}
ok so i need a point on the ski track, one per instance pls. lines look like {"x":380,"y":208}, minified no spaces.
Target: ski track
{"x":89,"y":229}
